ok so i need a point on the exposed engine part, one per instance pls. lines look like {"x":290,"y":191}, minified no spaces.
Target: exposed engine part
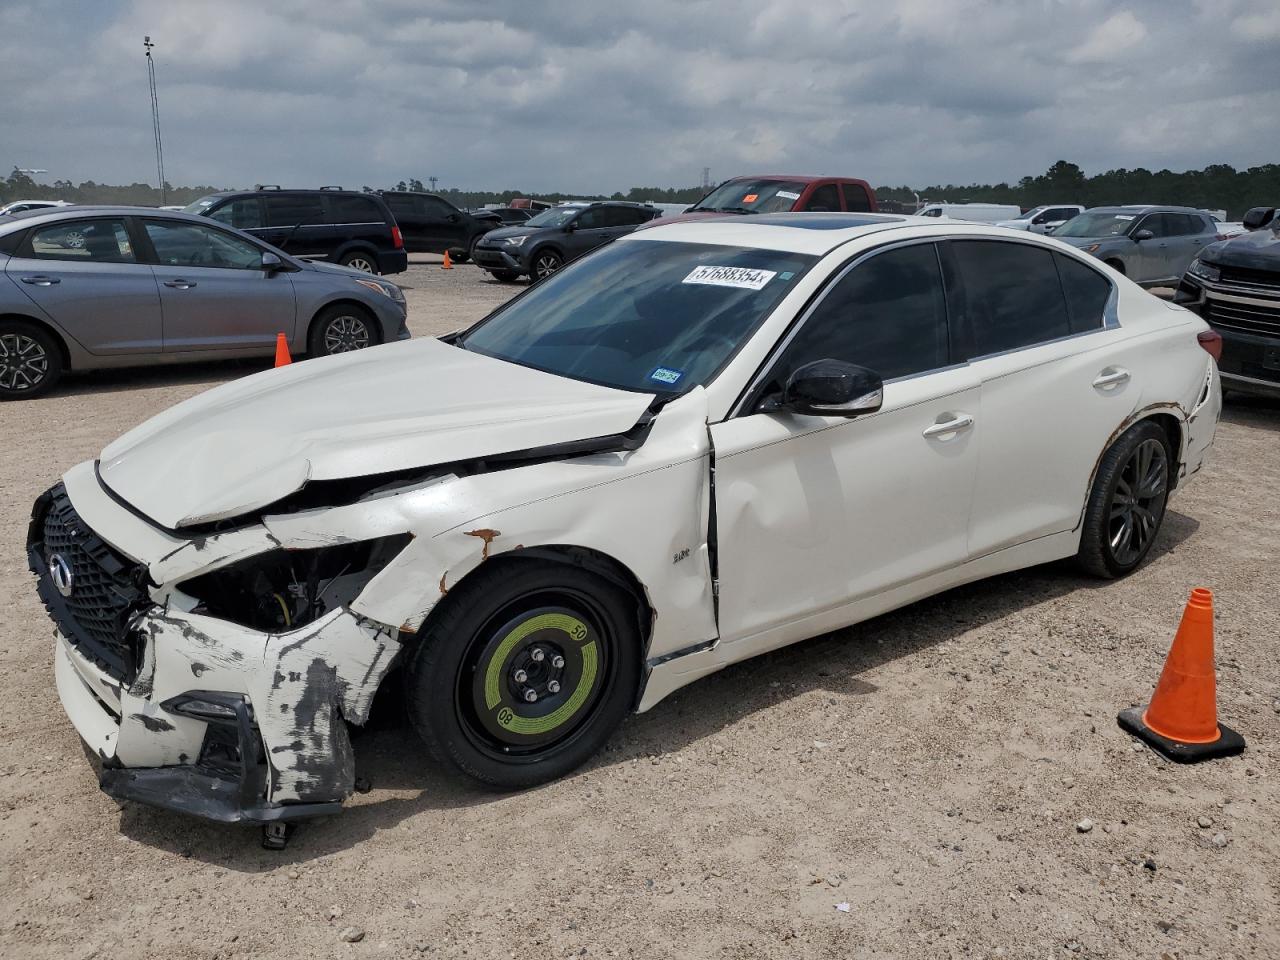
{"x":286,"y":589}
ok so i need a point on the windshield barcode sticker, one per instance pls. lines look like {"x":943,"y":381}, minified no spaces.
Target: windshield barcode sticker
{"x":742,"y":277}
{"x":787,"y":195}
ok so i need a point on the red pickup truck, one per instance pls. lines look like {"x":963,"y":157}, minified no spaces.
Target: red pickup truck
{"x":781,"y":194}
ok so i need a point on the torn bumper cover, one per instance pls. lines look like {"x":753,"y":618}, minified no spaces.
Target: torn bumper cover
{"x":192,"y":712}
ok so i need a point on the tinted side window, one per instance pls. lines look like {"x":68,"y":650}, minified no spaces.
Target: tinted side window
{"x":1157,"y":223}
{"x":354,"y":210}
{"x":1012,"y":295}
{"x":591,"y":219}
{"x":855,"y":198}
{"x":1197,"y":224}
{"x":436,"y":209}
{"x":823,"y":198}
{"x":287,"y":211}
{"x":90,"y":241}
{"x":1086,"y":292}
{"x":243,"y":214}
{"x":888,"y":314}
{"x":402,"y":206}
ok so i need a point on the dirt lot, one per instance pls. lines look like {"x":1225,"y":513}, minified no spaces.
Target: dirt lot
{"x":928,"y":769}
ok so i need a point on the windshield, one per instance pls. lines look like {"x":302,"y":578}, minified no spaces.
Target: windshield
{"x":1096,"y":224}
{"x":752,"y":196}
{"x":642,"y":315}
{"x":555,"y":217}
{"x":1030,"y":214}
{"x":201,"y":205}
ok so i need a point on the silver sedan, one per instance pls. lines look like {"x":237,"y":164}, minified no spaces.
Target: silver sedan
{"x":85,"y":288}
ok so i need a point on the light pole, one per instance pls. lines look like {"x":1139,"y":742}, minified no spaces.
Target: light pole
{"x":155,"y":117}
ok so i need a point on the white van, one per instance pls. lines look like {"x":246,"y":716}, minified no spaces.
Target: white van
{"x":977,"y":212}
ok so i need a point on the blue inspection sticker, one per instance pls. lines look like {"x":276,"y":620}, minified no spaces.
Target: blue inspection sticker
{"x":666,"y":375}
{"x":786,"y":276}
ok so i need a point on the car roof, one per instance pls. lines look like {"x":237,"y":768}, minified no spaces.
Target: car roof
{"x":80,"y":212}
{"x":814,"y":233}
{"x":798,"y":178}
{"x":1144,"y":208}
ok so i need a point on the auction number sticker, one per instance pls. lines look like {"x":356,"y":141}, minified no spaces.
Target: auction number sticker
{"x":743,"y":278}
{"x":787,"y":195}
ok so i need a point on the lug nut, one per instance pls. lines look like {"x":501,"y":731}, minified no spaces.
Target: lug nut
{"x":553,"y":686}
{"x":521,"y":676}
{"x":558,"y":662}
{"x":530,"y":695}
{"x":536,"y":655}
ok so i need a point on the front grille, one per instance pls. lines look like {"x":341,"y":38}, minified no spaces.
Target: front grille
{"x":106,"y":589}
{"x":1264,"y":281}
{"x":1243,"y":316}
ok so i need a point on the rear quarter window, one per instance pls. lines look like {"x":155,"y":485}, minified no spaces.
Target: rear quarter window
{"x":355,"y":210}
{"x":1086,"y":292}
{"x":287,"y":211}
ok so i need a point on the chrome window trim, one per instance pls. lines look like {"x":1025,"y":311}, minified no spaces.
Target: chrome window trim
{"x":1110,"y":310}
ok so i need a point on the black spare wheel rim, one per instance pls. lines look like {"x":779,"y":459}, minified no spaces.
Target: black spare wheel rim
{"x":23,"y":362}
{"x":1138,"y":501}
{"x":533,"y":677}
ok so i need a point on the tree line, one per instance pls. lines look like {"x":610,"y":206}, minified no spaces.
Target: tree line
{"x":1217,"y":186}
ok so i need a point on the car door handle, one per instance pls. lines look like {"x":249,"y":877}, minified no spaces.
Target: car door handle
{"x":948,"y":428}
{"x":1111,"y":377}
{"x":180,"y":284}
{"x":41,"y":280}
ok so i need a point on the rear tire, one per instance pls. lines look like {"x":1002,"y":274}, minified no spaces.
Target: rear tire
{"x":1127,"y":504}
{"x":342,"y":328}
{"x":30,"y":360}
{"x":525,"y":672}
{"x":458,"y":255}
{"x":359,"y":260}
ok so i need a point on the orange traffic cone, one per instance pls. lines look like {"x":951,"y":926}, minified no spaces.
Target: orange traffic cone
{"x":448,"y":262}
{"x":1181,"y":721}
{"x":282,"y":351}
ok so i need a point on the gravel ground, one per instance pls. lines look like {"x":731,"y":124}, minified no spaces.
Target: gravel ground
{"x":935,"y":770}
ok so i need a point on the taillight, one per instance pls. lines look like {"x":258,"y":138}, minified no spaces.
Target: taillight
{"x":397,"y":238}
{"x":1211,"y":340}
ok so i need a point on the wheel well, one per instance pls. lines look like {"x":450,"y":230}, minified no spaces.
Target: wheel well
{"x":1115,"y":264}
{"x":357,"y":246}
{"x":1173,"y":433}
{"x":546,"y":248}
{"x":57,"y":337}
{"x":602,"y":565}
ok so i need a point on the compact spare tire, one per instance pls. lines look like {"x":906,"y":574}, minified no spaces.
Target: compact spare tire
{"x":341,"y":328}
{"x":1127,"y":504}
{"x":524,"y":671}
{"x":30,"y":361}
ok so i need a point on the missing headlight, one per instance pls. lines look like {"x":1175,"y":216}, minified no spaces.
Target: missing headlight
{"x":286,"y":589}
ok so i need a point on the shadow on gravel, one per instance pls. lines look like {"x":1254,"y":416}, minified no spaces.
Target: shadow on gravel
{"x":1261,"y":412}
{"x":96,"y":382}
{"x":390,"y":755}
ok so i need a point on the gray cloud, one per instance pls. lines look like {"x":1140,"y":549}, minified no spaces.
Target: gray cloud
{"x":598,"y":97}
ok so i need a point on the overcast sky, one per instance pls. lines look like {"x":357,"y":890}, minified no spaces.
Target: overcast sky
{"x":601,"y":96}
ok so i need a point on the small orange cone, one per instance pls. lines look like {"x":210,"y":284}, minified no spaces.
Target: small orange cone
{"x":1181,"y":721}
{"x":448,"y":262}
{"x":282,"y":351}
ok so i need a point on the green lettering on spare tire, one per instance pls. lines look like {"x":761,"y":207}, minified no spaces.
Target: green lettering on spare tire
{"x":546,"y":621}
{"x":531,"y":726}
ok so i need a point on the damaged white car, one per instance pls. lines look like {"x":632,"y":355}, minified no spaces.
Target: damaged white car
{"x":700,"y":443}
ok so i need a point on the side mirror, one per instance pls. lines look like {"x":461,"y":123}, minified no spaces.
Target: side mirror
{"x":270,"y":262}
{"x":832,"y":388}
{"x":1040,"y":219}
{"x":571,"y":226}
{"x":1258,"y":217}
{"x":452,"y":218}
{"x":1052,"y":227}
{"x":1143,"y":235}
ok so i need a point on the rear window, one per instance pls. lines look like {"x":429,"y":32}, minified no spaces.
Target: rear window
{"x":288,"y":211}
{"x":355,"y":209}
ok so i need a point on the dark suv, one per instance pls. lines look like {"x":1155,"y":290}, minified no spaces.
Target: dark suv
{"x":543,"y":244}
{"x":432,"y":224}
{"x":341,"y":226}
{"x":1235,"y":287}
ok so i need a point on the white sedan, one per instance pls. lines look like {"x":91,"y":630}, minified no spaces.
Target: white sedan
{"x":700,"y":443}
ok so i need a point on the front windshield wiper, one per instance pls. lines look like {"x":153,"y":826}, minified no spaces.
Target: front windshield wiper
{"x":722,"y":210}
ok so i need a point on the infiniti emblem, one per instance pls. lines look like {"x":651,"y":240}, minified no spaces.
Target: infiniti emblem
{"x":60,"y":571}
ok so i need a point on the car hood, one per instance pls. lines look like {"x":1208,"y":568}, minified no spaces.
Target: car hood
{"x":244,"y":445}
{"x":321,"y":266}
{"x":1259,"y":250}
{"x":501,"y":233}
